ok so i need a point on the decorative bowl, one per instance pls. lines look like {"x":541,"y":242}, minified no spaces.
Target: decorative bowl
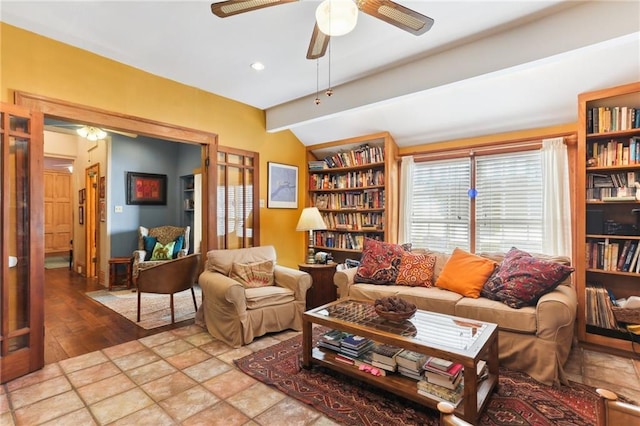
{"x":395,"y":316}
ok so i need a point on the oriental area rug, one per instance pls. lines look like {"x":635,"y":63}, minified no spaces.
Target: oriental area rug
{"x":519,"y":400}
{"x":155,"y":309}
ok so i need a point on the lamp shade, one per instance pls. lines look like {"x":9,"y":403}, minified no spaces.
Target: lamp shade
{"x":310,"y":220}
{"x":337,"y":17}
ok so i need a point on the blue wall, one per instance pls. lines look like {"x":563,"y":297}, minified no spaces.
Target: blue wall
{"x":145,"y":155}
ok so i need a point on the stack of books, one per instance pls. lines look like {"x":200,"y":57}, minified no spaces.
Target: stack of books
{"x":331,"y":339}
{"x":440,"y":393}
{"x":384,"y":356}
{"x":355,"y":346}
{"x":410,"y":363}
{"x":318,"y":165}
{"x":442,"y":380}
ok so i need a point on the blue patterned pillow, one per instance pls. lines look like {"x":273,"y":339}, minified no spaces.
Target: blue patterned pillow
{"x":149,"y":244}
{"x":179,"y":242}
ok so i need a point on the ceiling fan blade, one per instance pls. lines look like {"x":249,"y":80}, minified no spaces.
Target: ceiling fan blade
{"x":395,"y":14}
{"x":233,"y":7}
{"x":318,"y":44}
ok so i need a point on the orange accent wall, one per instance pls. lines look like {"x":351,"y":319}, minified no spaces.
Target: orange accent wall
{"x":39,"y":65}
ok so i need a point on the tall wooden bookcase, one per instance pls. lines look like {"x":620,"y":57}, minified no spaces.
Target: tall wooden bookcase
{"x":357,"y":195}
{"x":604,"y":209}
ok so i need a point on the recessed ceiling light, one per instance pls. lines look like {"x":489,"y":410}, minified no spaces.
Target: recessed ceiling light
{"x":258,"y":66}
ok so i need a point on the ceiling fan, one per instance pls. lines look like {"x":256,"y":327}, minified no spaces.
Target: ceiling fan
{"x":386,"y":10}
{"x":86,"y":131}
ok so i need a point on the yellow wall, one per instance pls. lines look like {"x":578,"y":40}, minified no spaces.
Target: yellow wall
{"x":36,"y":64}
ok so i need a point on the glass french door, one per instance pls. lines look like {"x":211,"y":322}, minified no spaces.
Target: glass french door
{"x":21,"y":242}
{"x":237,"y":195}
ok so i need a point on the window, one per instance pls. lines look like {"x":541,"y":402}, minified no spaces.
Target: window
{"x":506,"y":211}
{"x":237,"y":211}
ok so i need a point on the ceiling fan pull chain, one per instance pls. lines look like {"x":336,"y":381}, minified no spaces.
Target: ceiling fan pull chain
{"x":329,"y":91}
{"x":317,"y":100}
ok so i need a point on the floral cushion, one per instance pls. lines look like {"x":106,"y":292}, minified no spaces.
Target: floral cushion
{"x":416,"y":270}
{"x":253,"y":275}
{"x":522,"y":279}
{"x":380,"y":261}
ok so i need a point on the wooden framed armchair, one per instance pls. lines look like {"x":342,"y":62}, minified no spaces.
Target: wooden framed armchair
{"x":169,"y":277}
{"x":164,"y":235}
{"x":236,"y":314}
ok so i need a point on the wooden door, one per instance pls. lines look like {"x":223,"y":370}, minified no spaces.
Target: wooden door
{"x":58,"y":216}
{"x":92,"y":221}
{"x":21,"y":242}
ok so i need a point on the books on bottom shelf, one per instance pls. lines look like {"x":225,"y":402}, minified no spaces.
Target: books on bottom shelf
{"x":385,"y":353}
{"x":449,"y":382}
{"x":410,"y":373}
{"x":440,"y":393}
{"x":411,"y":360}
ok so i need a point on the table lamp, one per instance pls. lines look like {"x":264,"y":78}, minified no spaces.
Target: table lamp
{"x":310,"y":220}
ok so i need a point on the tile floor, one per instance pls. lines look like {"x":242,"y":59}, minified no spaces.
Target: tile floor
{"x":186,"y":377}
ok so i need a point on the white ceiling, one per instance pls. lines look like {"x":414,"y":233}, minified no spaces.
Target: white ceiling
{"x":485,"y":67}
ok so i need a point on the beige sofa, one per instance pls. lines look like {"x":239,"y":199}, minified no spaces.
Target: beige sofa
{"x":235,"y":314}
{"x":535,"y":340}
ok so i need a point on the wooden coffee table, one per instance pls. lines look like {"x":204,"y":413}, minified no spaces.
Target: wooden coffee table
{"x":444,"y":336}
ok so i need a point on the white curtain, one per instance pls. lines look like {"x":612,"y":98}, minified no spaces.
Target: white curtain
{"x":406,"y":200}
{"x":556,"y":205}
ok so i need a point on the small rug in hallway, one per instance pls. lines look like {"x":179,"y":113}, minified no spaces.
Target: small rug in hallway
{"x":155,"y":309}
{"x":54,"y":262}
{"x":519,"y":399}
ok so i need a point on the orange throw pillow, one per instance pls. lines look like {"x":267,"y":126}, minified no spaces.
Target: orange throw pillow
{"x":465,"y":273}
{"x":416,"y":270}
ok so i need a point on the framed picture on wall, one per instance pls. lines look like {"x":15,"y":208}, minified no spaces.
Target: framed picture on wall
{"x":146,"y":188}
{"x":102,"y":209}
{"x":282,"y":186}
{"x":102,"y":187}
{"x":81,"y":215}
{"x":82,"y":194}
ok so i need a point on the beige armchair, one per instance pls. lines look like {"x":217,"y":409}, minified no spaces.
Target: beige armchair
{"x":235,"y":314}
{"x":162,"y":234}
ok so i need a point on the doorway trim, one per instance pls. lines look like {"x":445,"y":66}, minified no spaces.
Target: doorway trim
{"x":60,"y":109}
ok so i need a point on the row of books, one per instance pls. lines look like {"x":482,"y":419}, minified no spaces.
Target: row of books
{"x":607,"y":255}
{"x":612,"y":119}
{"x":615,"y":152}
{"x":598,"y":307}
{"x":344,"y":241}
{"x":358,"y":221}
{"x":610,"y":180}
{"x":362,"y":155}
{"x":435,"y":377}
{"x":356,"y":179}
{"x":367,"y":199}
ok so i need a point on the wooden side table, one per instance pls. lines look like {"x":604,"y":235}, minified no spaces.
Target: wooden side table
{"x":116,"y":278}
{"x":322,"y":290}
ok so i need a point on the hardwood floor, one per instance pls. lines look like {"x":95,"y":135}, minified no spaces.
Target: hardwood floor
{"x":75,"y":324}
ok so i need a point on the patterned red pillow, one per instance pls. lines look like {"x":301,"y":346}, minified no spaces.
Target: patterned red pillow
{"x":380,"y":261}
{"x":416,"y":270}
{"x":522,"y":279}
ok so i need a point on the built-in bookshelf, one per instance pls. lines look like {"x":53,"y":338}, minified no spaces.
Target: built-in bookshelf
{"x":607,"y":211}
{"x":354,"y":184}
{"x":187,"y":186}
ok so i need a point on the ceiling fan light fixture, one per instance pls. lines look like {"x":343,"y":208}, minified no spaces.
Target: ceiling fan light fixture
{"x":337,"y":17}
{"x":92,"y":133}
